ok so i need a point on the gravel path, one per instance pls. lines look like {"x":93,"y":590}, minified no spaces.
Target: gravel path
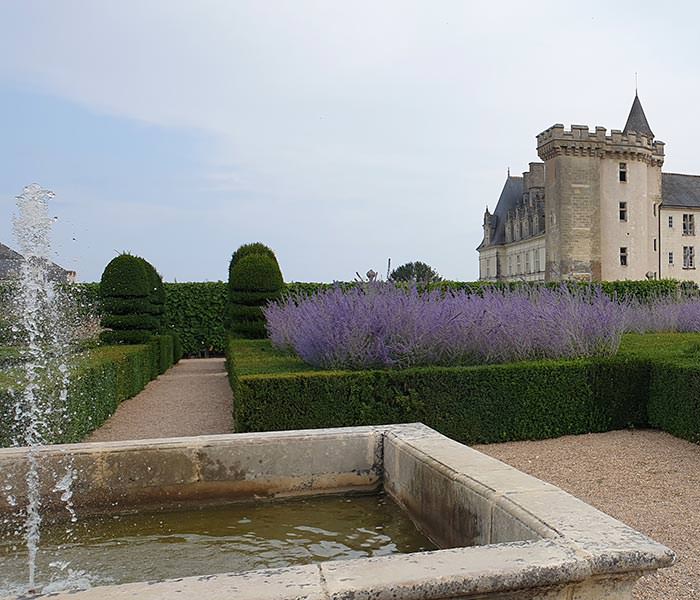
{"x":192,"y":398}
{"x":647,"y":479}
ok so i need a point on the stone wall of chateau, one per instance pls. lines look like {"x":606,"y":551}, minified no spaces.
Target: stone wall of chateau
{"x":674,"y":239}
{"x":641,"y":196}
{"x":583,"y":191}
{"x":488,"y":263}
{"x":525,"y":260}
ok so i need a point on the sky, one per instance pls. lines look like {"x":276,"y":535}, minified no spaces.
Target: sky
{"x":339,"y":133}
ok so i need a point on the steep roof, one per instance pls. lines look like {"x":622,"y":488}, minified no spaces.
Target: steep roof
{"x":7,"y":253}
{"x":10,"y":262}
{"x":637,"y":120}
{"x":11,"y":266}
{"x":510,"y":196}
{"x":682,"y":191}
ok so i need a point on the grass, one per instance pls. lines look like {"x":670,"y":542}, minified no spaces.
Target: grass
{"x":258,"y":357}
{"x":667,"y":346}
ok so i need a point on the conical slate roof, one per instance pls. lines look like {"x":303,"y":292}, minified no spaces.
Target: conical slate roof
{"x":637,"y":121}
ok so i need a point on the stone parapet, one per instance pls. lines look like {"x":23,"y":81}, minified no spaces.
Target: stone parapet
{"x":579,"y":140}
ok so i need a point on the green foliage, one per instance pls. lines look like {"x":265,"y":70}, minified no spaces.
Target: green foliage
{"x":126,"y":306}
{"x":163,"y":353}
{"x":645,"y":384}
{"x":256,"y":273}
{"x":195,"y":312}
{"x":133,"y":336}
{"x":125,"y":277}
{"x":641,"y":290}
{"x":177,"y":348}
{"x":133,"y":300}
{"x":245,"y":250}
{"x":99,"y":381}
{"x":156,"y":291}
{"x":417,"y":272}
{"x":130,"y":322}
{"x":254,"y":280}
{"x":297,"y":288}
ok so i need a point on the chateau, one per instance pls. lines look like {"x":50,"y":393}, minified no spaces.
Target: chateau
{"x":598,"y":208}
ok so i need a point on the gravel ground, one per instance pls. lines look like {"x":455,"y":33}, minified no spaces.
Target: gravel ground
{"x":192,"y":398}
{"x":647,"y":479}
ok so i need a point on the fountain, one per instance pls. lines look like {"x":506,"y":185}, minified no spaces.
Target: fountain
{"x":485,"y":530}
{"x":43,"y":332}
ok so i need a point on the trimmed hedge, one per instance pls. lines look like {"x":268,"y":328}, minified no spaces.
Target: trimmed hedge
{"x":483,"y":404}
{"x":99,"y":381}
{"x":641,"y":290}
{"x":254,"y":280}
{"x":127,"y":290}
{"x":195,"y":313}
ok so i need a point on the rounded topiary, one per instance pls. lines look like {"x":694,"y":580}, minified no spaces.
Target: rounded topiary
{"x":245,"y":250}
{"x":125,"y":290}
{"x":254,"y":280}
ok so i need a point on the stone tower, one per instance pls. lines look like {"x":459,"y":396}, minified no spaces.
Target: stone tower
{"x":602,"y":196}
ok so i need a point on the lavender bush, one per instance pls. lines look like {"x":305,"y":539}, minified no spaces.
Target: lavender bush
{"x":384,"y":326}
{"x":663,"y":315}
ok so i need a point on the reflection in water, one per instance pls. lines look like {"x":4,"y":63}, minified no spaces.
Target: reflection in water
{"x":235,"y":537}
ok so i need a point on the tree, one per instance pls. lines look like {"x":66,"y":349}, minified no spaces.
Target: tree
{"x":416,"y":272}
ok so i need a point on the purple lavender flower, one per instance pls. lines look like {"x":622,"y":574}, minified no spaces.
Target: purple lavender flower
{"x":381,"y":325}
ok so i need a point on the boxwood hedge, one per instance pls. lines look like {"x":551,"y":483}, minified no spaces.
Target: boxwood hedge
{"x":483,"y":404}
{"x":100,"y":380}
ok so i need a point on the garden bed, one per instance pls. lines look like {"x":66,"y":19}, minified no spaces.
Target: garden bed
{"x":654,"y":380}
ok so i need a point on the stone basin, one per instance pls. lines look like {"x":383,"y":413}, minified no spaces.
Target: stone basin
{"x":503,"y":534}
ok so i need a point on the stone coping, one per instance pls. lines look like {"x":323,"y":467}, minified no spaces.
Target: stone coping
{"x":574,"y":550}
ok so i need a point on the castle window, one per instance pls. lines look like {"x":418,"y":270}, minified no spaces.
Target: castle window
{"x":688,"y":224}
{"x":653,"y":208}
{"x":537,"y":261}
{"x":623,"y":211}
{"x":670,"y":221}
{"x":654,"y":244}
{"x":688,"y":257}
{"x":670,"y":258}
{"x":623,"y":256}
{"x":517,"y":263}
{"x":623,"y":172}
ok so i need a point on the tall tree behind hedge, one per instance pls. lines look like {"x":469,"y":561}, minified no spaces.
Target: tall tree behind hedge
{"x":416,"y":272}
{"x":126,"y":289}
{"x":254,"y":280}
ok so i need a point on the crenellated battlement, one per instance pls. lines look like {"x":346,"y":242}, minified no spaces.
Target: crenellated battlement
{"x":579,"y":140}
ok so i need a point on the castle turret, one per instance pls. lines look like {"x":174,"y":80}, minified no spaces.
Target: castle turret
{"x":602,"y":193}
{"x":637,"y":120}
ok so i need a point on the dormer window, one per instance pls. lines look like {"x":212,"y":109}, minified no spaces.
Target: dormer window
{"x":623,"y":172}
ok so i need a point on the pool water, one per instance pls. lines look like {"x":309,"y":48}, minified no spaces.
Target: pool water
{"x":121,"y":548}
